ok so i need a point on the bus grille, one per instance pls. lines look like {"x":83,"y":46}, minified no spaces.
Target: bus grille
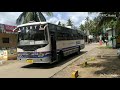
{"x":31,"y":47}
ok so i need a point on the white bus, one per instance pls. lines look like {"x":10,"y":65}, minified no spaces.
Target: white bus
{"x":42,"y":42}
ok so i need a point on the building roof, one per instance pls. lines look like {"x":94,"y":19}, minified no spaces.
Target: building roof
{"x":7,"y":28}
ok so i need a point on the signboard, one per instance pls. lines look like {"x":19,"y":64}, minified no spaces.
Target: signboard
{"x":9,"y":28}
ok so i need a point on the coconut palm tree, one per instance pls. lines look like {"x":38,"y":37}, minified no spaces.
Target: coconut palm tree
{"x":69,"y":22}
{"x":63,"y":25}
{"x":59,"y":23}
{"x":32,"y":16}
{"x":107,"y":17}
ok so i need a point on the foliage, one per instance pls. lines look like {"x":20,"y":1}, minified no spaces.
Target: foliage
{"x":69,"y":22}
{"x":82,"y":27}
{"x":25,"y":17}
{"x":59,"y":23}
{"x":63,"y":25}
{"x":109,"y":19}
{"x":90,"y":25}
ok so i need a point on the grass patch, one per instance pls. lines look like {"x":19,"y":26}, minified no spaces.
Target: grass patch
{"x":105,"y":47}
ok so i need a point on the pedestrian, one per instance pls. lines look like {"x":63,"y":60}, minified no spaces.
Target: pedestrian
{"x":103,"y":39}
{"x":106,"y":41}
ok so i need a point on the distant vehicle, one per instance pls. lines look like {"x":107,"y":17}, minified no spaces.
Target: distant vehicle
{"x":42,"y":42}
{"x":90,"y":37}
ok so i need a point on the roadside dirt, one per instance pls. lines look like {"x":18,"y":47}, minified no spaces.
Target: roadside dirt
{"x":101,"y":63}
{"x":7,"y":62}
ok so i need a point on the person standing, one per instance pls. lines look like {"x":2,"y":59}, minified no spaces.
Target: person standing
{"x":106,"y":40}
{"x":103,"y":39}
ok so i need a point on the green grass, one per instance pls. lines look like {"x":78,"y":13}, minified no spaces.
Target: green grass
{"x":105,"y":47}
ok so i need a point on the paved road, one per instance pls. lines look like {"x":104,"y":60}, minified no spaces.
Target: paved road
{"x":24,"y":70}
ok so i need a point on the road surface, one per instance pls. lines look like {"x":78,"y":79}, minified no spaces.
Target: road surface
{"x":25,"y":70}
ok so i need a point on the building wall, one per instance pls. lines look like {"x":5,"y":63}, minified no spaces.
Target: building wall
{"x":12,"y":40}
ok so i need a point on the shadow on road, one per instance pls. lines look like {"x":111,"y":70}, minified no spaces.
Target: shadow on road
{"x":57,"y":64}
{"x":110,"y":64}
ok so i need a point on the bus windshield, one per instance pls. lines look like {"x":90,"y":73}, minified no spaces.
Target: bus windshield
{"x":32,"y":35}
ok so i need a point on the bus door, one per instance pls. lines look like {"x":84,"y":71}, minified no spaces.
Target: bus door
{"x":53,"y":46}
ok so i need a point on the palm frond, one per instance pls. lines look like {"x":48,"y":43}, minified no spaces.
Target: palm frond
{"x":41,"y":17}
{"x":25,"y":17}
{"x":29,"y":17}
{"x":49,"y":13}
{"x":20,"y":18}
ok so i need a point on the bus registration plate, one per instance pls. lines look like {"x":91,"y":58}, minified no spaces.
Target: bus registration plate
{"x":30,"y":61}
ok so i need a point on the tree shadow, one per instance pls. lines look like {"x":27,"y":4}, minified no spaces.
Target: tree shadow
{"x":57,"y":64}
{"x":110,"y":64}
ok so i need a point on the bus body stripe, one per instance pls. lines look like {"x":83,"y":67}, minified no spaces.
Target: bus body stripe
{"x":48,"y":52}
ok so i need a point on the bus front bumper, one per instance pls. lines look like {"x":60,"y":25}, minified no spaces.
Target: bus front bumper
{"x":36,"y":60}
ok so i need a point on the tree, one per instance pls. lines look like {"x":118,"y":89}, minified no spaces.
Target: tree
{"x":59,"y":23}
{"x":63,"y":25}
{"x":25,"y":17}
{"x":82,"y":28}
{"x":69,"y":22}
{"x":107,"y":17}
{"x":89,"y":27}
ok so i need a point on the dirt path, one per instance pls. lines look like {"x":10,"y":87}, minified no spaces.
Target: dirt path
{"x":102,"y":63}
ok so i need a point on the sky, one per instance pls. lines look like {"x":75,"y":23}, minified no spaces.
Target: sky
{"x":77,"y":17}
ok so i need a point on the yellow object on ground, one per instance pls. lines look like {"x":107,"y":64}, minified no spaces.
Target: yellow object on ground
{"x":92,"y":58}
{"x":75,"y":74}
{"x":85,"y":64}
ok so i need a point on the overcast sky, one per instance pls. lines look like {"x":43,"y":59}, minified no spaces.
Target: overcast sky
{"x":77,"y":17}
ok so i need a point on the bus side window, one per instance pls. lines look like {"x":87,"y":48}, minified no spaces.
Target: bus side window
{"x":74,"y":36}
{"x":65,"y":36}
{"x":61,"y":36}
{"x":58,"y":36}
{"x":71,"y":36}
{"x":79,"y":36}
{"x":82,"y":36}
{"x":68,"y":36}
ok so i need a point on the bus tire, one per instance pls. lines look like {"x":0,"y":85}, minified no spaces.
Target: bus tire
{"x":61,"y":56}
{"x":78,"y":52}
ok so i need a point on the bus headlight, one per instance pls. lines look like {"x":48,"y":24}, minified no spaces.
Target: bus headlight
{"x":41,"y":54}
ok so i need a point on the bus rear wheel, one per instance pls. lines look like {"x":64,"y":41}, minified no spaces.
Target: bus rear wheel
{"x":60,"y":56}
{"x":78,"y":52}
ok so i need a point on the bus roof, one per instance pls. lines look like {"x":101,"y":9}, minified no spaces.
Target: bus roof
{"x":33,"y":23}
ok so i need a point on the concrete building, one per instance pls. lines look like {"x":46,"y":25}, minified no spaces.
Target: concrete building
{"x":112,"y":42}
{"x":8,"y":38}
{"x":8,"y":42}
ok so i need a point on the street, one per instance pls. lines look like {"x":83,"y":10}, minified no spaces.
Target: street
{"x":25,"y":70}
